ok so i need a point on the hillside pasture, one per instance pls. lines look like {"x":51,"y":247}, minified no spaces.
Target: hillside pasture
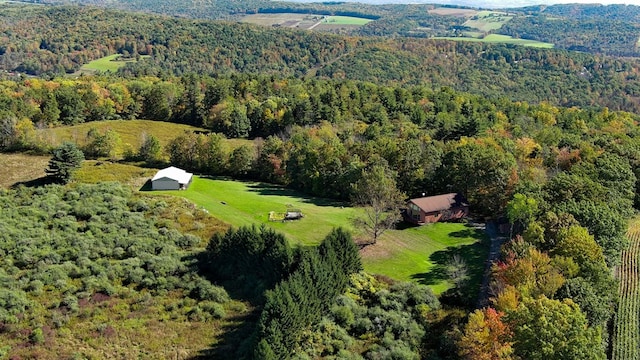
{"x":290,"y":20}
{"x":131,"y":132}
{"x":486,"y":21}
{"x":413,"y":254}
{"x":446,"y":11}
{"x":346,"y":20}
{"x":501,"y":39}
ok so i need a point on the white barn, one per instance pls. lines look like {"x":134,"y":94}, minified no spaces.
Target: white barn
{"x":171,"y":178}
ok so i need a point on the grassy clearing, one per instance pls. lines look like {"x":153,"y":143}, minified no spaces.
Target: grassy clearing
{"x":423,"y":253}
{"x":110,"y":63}
{"x":246,"y":203}
{"x":445,"y":11}
{"x":502,"y":39}
{"x":93,"y":172}
{"x":346,"y":20}
{"x":486,"y":21}
{"x":414,"y":254}
{"x":20,"y":168}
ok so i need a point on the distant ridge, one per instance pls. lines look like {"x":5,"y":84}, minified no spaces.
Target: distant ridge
{"x":492,"y":4}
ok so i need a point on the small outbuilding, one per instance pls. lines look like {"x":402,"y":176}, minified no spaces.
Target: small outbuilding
{"x":171,"y":178}
{"x":432,"y":209}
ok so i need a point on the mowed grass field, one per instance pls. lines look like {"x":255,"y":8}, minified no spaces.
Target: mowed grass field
{"x":110,"y":63}
{"x":346,"y":20}
{"x":413,"y":254}
{"x":502,"y":39}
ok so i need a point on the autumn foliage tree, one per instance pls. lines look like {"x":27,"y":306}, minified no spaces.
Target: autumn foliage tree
{"x":486,"y":337}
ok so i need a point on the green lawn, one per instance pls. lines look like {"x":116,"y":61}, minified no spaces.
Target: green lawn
{"x":245,"y":203}
{"x":503,"y":39}
{"x":423,"y":253}
{"x":414,"y":254}
{"x":346,"y":20}
{"x":107,"y":64}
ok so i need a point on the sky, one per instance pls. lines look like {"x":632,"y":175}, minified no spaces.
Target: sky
{"x":491,"y":3}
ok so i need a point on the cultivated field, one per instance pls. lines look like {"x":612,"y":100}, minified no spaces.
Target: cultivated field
{"x":414,"y":254}
{"x":305,"y":21}
{"x":626,"y":336}
{"x":501,"y":39}
{"x":444,"y":11}
{"x":486,"y":21}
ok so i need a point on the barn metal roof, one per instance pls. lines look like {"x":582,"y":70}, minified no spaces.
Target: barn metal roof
{"x":173,"y":173}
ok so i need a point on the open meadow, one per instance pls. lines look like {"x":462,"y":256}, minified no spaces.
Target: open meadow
{"x":131,"y":133}
{"x":486,"y":21}
{"x":501,"y":39}
{"x":109,"y":63}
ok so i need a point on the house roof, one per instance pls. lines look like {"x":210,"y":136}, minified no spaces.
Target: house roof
{"x":173,"y":173}
{"x":440,"y":202}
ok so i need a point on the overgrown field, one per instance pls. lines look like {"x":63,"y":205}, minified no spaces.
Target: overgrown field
{"x":18,"y":168}
{"x":98,"y":272}
{"x":626,"y":336}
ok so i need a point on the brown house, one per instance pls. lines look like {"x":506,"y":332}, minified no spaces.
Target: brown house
{"x":432,"y":209}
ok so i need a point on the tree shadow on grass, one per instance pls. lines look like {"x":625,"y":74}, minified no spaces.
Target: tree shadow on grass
{"x":236,"y":337}
{"x":277,"y":190}
{"x":235,"y":341}
{"x":474,"y":256}
{"x":41,"y":181}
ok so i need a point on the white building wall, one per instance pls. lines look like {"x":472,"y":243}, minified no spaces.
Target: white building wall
{"x":165,"y":184}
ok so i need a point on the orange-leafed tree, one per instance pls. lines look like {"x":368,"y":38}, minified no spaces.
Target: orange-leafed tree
{"x":486,"y":337}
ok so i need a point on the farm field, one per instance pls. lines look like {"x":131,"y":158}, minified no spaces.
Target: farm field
{"x":502,"y":39}
{"x":346,"y":20}
{"x":106,"y":64}
{"x":305,"y":21}
{"x":486,"y":21}
{"x":626,"y":333}
{"x":18,"y":168}
{"x":130,"y":132}
{"x":418,"y":254}
{"x":446,"y":11}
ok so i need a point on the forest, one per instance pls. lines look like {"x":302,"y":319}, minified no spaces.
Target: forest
{"x":543,"y":141}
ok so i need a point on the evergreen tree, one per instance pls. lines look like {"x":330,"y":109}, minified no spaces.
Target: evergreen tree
{"x":65,"y":161}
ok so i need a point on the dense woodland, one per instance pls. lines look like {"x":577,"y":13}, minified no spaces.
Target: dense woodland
{"x":37,"y":41}
{"x":323,"y":111}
